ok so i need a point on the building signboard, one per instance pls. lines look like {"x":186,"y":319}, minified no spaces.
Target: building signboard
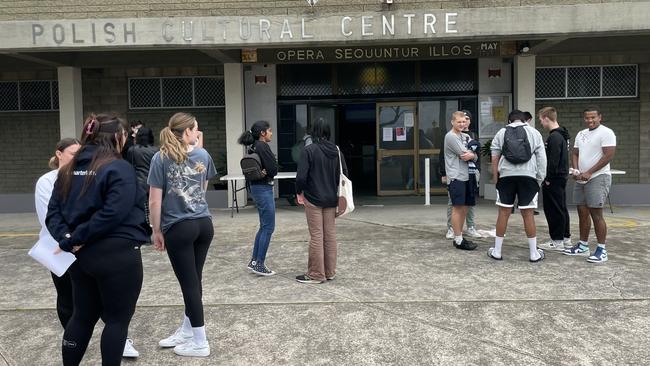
{"x":376,"y":53}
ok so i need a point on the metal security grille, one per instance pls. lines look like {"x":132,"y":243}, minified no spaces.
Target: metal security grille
{"x":304,"y":80}
{"x":376,"y":78}
{"x":448,"y":76}
{"x":586,"y":82}
{"x":619,"y":80}
{"x":31,"y":95}
{"x":174,"y":92}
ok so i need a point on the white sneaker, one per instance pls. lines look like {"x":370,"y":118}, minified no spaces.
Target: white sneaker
{"x":450,"y":233}
{"x":192,"y":349}
{"x":471,"y":231}
{"x":129,"y":350}
{"x":553,"y":245}
{"x":179,"y":337}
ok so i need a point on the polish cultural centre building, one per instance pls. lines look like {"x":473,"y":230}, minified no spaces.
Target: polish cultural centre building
{"x":384,"y":74}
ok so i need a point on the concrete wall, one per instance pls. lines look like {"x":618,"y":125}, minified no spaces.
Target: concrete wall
{"x":80,"y":9}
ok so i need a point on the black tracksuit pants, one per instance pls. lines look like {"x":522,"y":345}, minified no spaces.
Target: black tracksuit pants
{"x":187,"y":244}
{"x":106,"y":283}
{"x":64,"y":305}
{"x":555,"y":208}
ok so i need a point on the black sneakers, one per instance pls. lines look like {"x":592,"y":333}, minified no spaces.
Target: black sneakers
{"x":465,"y":245}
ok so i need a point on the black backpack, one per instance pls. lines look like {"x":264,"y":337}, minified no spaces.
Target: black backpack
{"x":251,"y":166}
{"x":516,"y":148}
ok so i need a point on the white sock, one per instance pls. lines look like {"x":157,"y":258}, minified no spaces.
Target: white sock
{"x":187,"y":325}
{"x":532,"y":245}
{"x":583,"y":243}
{"x":601,"y":245}
{"x":458,"y":239}
{"x":198,"y":334}
{"x":498,"y":242}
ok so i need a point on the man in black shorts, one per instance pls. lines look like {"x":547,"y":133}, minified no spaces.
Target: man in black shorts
{"x":518,"y":168}
{"x":461,"y":190}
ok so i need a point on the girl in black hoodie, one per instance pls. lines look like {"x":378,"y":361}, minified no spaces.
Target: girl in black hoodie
{"x":95,"y":213}
{"x":317,"y":182}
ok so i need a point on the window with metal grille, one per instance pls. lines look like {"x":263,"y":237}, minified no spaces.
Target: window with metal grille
{"x":586,"y":82}
{"x":304,"y":80}
{"x":30,"y":95}
{"x":174,"y":92}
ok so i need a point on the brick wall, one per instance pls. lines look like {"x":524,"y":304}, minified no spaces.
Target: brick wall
{"x":29,"y":138}
{"x":629,"y":117}
{"x":81,"y":9}
{"x":621,"y":116}
{"x":107,"y":90}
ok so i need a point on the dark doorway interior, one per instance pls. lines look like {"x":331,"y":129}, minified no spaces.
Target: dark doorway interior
{"x":357,"y":140}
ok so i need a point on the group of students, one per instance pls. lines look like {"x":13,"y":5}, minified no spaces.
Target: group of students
{"x":94,"y":204}
{"x":521,"y":162}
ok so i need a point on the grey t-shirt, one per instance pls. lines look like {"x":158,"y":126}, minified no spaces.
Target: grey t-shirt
{"x":456,"y":145}
{"x":182,"y":186}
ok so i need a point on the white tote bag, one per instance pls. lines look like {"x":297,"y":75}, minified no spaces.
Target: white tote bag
{"x":346,"y":201}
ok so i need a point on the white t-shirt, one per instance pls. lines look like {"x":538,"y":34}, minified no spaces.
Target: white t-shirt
{"x":590,"y":145}
{"x":44,"y":187}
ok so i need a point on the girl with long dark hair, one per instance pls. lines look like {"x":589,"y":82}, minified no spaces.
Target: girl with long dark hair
{"x":182,"y":224}
{"x":95,"y":213}
{"x":257,"y":140}
{"x":317,"y":182}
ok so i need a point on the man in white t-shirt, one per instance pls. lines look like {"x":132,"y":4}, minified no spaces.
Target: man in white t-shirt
{"x":593,"y":149}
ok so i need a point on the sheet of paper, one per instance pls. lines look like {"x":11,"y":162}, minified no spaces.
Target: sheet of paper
{"x":408,"y":120}
{"x":400,"y":134}
{"x":388,"y":134}
{"x":43,"y":253}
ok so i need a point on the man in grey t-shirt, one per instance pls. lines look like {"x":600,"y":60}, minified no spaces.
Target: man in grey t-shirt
{"x":461,"y":192}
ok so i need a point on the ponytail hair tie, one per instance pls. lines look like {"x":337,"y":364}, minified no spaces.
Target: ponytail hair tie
{"x":91,"y":126}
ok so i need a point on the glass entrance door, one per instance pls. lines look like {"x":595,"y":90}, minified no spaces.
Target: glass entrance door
{"x":396,"y":148}
{"x":433,"y":125}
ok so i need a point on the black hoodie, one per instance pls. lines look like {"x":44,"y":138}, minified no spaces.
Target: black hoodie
{"x":557,"y":153}
{"x":111,"y":207}
{"x":318,"y":174}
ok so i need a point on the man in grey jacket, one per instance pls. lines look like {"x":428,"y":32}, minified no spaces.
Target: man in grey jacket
{"x":517,"y":181}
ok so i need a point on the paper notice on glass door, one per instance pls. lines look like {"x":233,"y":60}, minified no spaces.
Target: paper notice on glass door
{"x":400,"y":134}
{"x":408,"y":120}
{"x":388,"y":134}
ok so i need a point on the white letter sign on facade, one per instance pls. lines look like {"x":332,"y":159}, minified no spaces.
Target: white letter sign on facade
{"x":259,"y":31}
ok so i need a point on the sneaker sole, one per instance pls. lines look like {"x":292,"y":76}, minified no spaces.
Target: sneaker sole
{"x":169,"y":345}
{"x":596,"y":261}
{"x":576,"y":254}
{"x":193,"y":354}
{"x":130,"y":355}
{"x":313,"y":282}
{"x":263,"y":274}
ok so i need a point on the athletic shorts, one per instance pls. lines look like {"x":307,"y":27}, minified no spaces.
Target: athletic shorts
{"x":593,"y":193}
{"x":522,"y":189}
{"x":462,"y":193}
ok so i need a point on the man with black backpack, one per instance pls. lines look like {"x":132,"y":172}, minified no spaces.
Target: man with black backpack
{"x":518,"y":168}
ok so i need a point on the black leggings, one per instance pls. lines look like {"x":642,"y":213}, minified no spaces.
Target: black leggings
{"x":187,"y":245}
{"x":106,"y":283}
{"x":64,"y":306}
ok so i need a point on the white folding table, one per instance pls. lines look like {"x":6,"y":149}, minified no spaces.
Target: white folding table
{"x":233,"y":178}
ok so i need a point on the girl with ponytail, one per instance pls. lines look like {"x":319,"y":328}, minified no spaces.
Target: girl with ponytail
{"x":256,"y":140}
{"x":182,"y":224}
{"x":64,"y":153}
{"x":94,"y":212}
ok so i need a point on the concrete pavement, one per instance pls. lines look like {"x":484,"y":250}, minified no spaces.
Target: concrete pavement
{"x":402,"y":296}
